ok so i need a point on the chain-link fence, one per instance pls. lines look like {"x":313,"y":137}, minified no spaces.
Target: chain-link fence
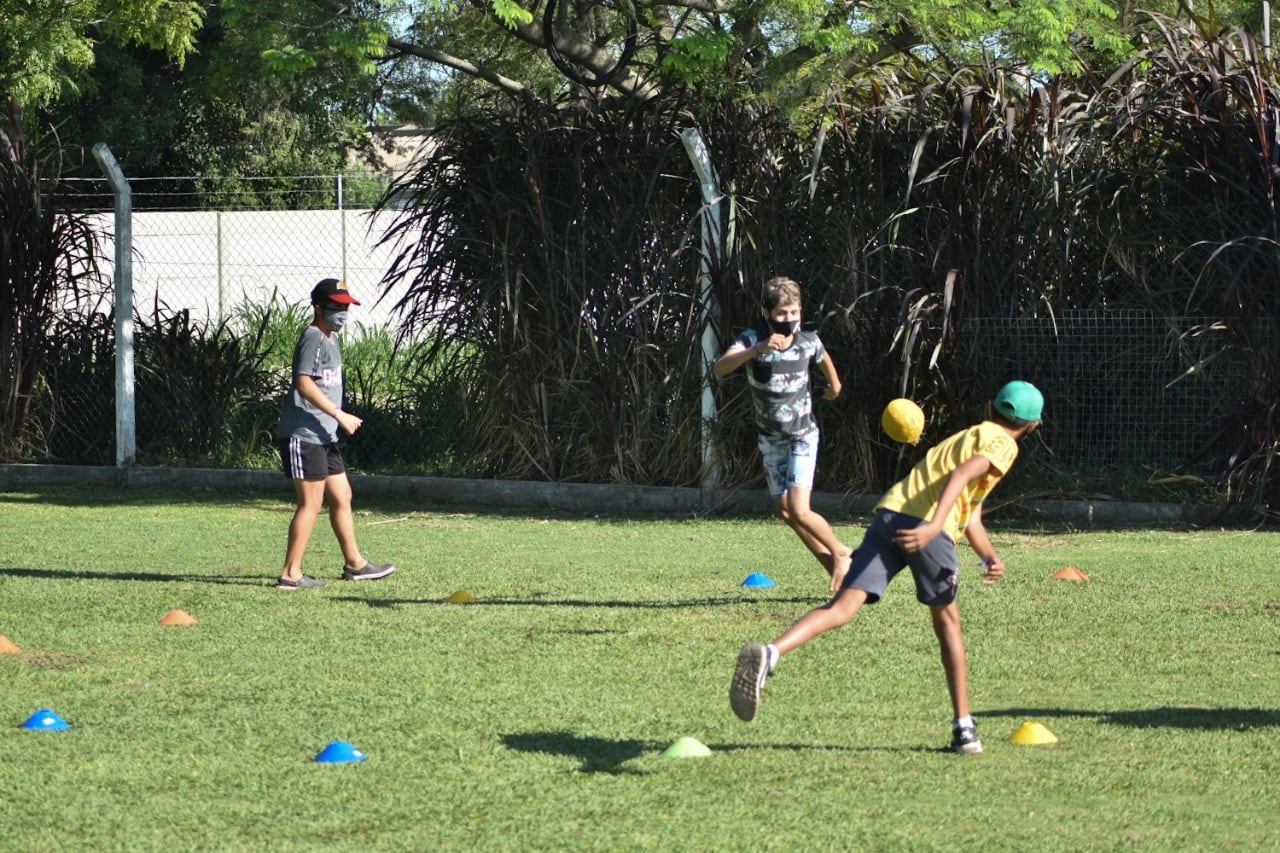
{"x":208,"y":286}
{"x":1127,"y":386}
{"x":1132,"y":399}
{"x":213,"y":263}
{"x":1123,"y":388}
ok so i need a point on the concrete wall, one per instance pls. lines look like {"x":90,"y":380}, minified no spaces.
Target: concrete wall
{"x":572,"y":497}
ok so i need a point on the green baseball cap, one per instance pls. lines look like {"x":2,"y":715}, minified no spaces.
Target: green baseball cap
{"x":1020,"y":402}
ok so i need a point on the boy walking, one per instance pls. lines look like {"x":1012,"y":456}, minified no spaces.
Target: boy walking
{"x":916,"y":525}
{"x":779,"y":361}
{"x":308,"y":442}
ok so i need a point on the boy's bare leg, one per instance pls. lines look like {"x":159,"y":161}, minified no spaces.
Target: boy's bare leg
{"x":310,"y":494}
{"x":835,"y":613}
{"x":338,"y":490}
{"x":816,"y":534}
{"x":755,"y":661}
{"x":946,"y":625}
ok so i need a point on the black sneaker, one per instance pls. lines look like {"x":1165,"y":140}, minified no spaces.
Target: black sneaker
{"x":370,"y":572}
{"x":304,"y":582}
{"x":964,"y":740}
{"x":748,"y":680}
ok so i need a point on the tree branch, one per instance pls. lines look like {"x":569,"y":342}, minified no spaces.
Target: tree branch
{"x":506,"y":84}
{"x":582,"y":51}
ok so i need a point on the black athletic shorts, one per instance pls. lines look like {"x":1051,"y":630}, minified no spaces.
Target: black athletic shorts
{"x":304,"y":460}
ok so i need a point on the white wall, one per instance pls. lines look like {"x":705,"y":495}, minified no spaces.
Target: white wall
{"x":209,"y":262}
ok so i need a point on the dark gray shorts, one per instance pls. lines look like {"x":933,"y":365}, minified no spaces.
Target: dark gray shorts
{"x":878,"y":560}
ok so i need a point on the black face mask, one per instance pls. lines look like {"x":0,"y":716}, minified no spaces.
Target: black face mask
{"x":784,"y":327}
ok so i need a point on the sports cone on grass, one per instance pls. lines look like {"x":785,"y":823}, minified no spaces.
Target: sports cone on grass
{"x":1032,"y":733}
{"x":45,"y":720}
{"x":756,"y":580}
{"x":340,"y":752}
{"x":687,"y":747}
{"x":461,"y":597}
{"x":1070,"y":573}
{"x":178,"y":617}
{"x":7,"y":646}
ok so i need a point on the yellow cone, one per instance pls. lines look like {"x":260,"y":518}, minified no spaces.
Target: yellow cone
{"x":687,"y":747}
{"x":903,"y":420}
{"x":1032,"y":733}
{"x":461,"y":597}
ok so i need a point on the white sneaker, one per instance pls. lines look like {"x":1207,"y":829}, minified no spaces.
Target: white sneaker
{"x":748,"y":680}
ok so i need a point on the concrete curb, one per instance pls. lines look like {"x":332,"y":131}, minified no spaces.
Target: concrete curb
{"x":576,"y":497}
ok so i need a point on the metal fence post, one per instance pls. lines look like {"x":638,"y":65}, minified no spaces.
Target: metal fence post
{"x":126,"y":424}
{"x":224,"y":300}
{"x":713,"y":201}
{"x":342,"y":222}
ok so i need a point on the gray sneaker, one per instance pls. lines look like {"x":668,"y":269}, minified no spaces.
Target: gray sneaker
{"x":304,"y":582}
{"x":748,"y":680}
{"x":964,"y":740}
{"x":370,"y":572}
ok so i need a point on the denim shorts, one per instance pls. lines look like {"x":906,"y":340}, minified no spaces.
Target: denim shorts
{"x":789,"y":460}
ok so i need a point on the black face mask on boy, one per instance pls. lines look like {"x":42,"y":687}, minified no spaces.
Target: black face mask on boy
{"x":784,"y":327}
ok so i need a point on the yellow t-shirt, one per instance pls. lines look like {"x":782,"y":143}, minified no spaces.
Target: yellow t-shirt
{"x":917,"y":494}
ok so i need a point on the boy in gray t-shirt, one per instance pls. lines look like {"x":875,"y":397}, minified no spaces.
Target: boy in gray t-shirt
{"x":778,"y":362}
{"x":308,"y":442}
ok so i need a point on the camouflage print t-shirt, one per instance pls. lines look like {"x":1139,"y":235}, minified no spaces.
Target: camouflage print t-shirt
{"x":780,"y":383}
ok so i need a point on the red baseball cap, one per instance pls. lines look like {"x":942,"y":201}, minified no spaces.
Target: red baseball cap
{"x":332,"y":290}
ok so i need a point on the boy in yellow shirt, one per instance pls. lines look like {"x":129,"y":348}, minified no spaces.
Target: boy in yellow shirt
{"x":916,"y":525}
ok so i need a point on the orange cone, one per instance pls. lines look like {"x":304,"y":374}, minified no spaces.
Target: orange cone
{"x":7,"y":646}
{"x":1070,"y":573}
{"x":178,"y":617}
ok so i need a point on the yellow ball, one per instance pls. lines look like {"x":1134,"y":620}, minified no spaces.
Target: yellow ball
{"x":903,"y":420}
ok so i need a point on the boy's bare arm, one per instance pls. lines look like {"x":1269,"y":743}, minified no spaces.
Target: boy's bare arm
{"x":314,"y":395}
{"x":833,"y":378}
{"x":738,"y":355}
{"x":976,"y":533}
{"x":918,"y":538}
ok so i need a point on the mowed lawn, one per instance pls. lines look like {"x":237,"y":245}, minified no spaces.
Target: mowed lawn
{"x":538,"y":716}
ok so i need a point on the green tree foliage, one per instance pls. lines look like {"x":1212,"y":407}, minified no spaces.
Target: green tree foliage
{"x":782,"y":50}
{"x":245,"y":104}
{"x":789,"y":52}
{"x":46,"y":45}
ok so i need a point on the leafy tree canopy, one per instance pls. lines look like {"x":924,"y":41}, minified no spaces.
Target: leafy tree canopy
{"x":782,"y":50}
{"x":46,"y":44}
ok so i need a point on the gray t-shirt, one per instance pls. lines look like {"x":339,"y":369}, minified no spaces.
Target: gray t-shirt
{"x":779,"y":383}
{"x":318,"y":357}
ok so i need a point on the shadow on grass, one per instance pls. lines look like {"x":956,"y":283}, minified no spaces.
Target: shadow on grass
{"x":598,"y":754}
{"x":1206,"y":719}
{"x":66,"y":574}
{"x":607,"y":755}
{"x":574,"y":602}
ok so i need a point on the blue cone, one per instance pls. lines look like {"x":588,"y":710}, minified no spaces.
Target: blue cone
{"x":755,"y":580}
{"x":45,"y":720}
{"x":340,"y":752}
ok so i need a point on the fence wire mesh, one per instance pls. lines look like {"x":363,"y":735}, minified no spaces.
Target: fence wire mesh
{"x":1124,"y":388}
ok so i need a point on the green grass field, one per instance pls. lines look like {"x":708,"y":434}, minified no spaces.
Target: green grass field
{"x":537,"y":717}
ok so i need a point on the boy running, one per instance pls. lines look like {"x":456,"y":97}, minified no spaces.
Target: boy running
{"x":787,"y":433}
{"x":916,"y":525}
